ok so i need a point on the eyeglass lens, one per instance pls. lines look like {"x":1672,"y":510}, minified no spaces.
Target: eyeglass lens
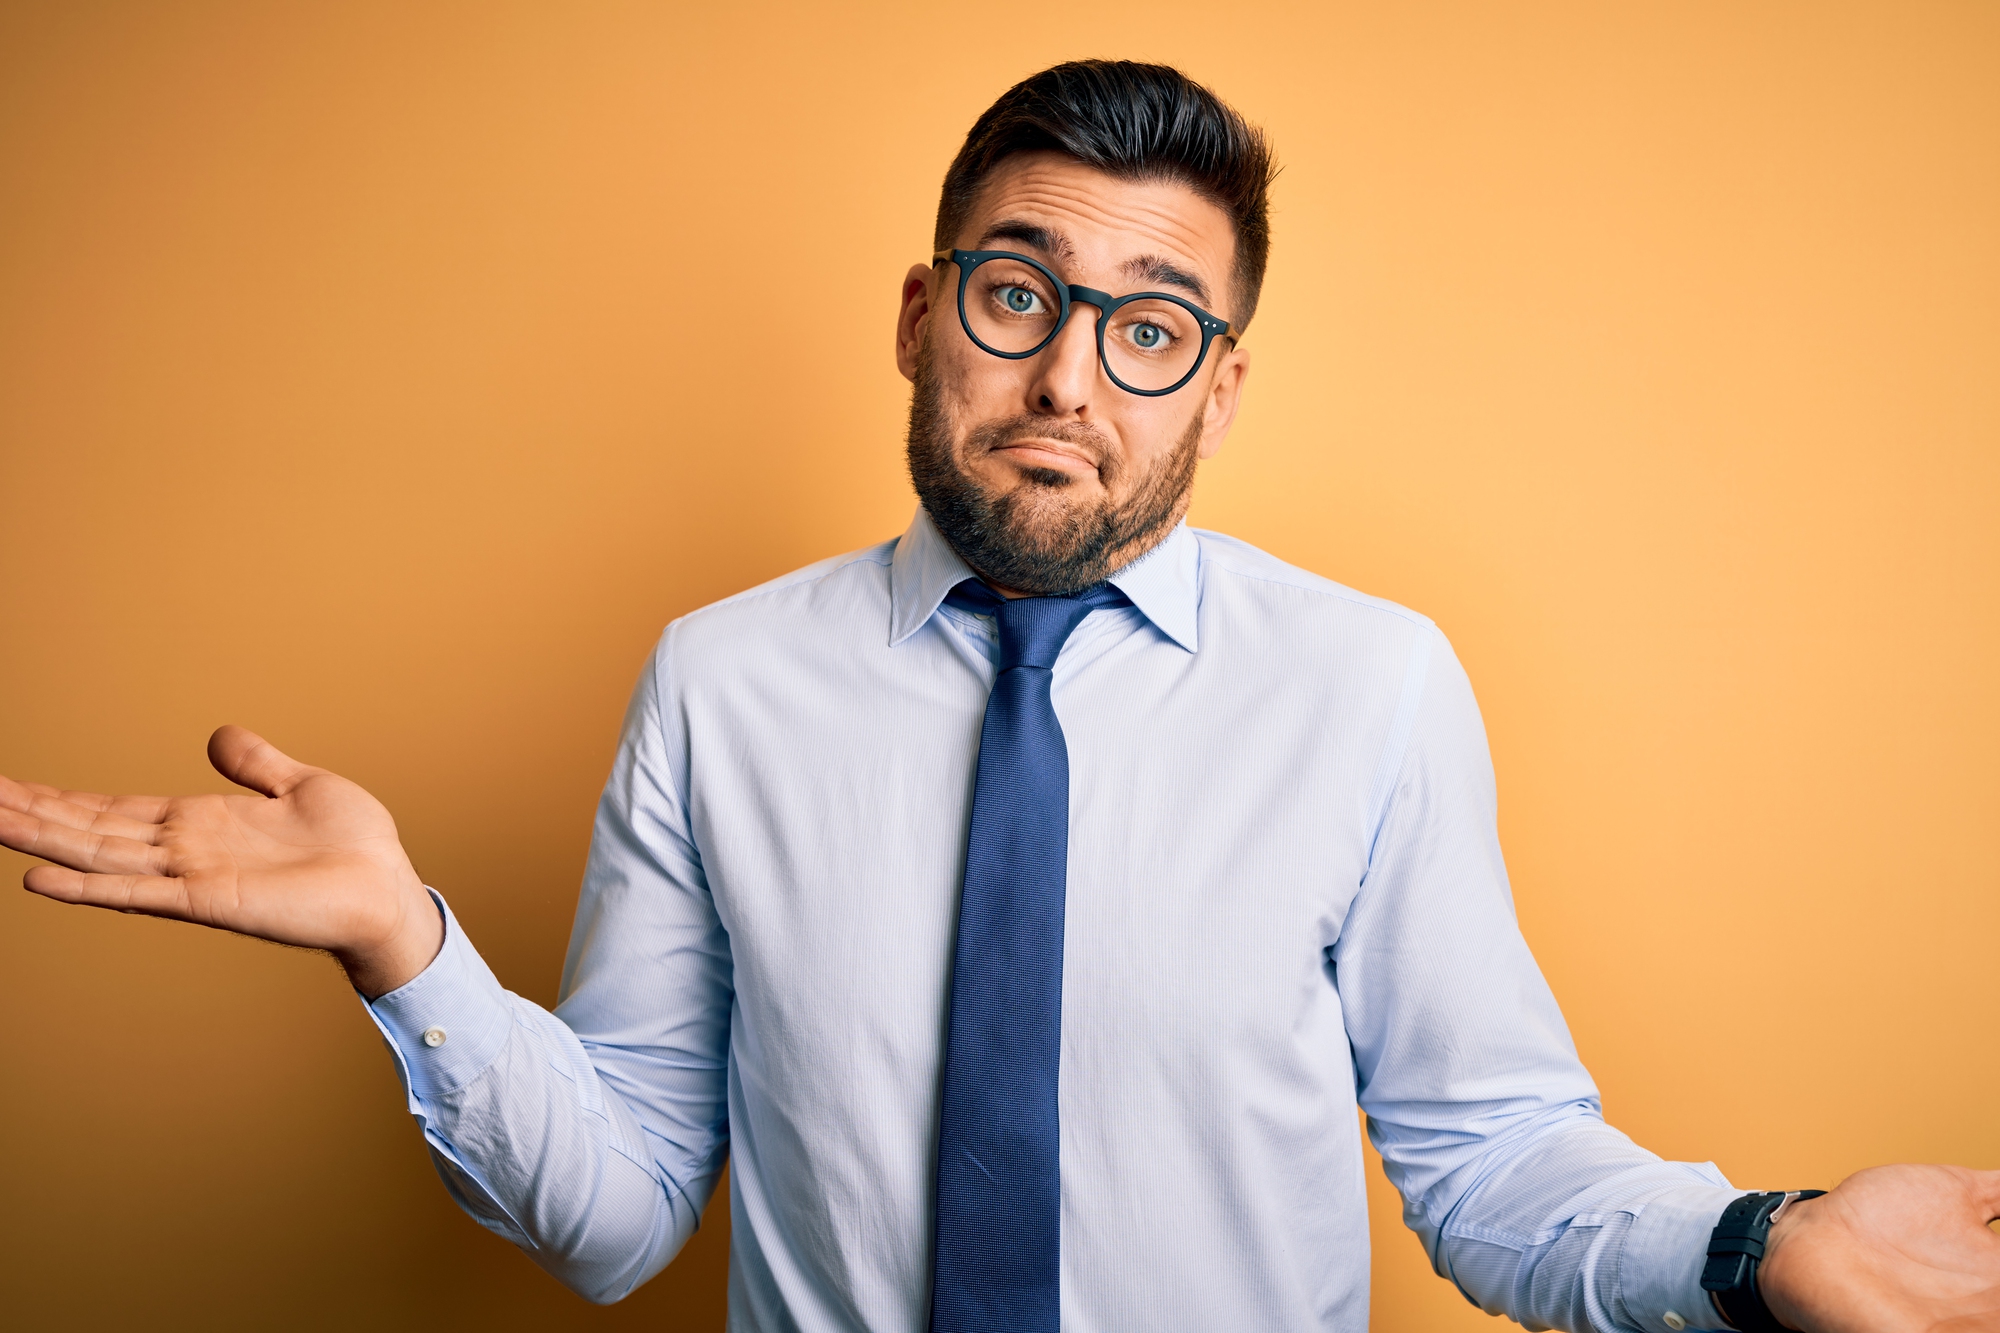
{"x":1148,"y":344}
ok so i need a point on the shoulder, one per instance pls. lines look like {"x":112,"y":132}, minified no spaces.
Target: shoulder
{"x":1377,"y":655}
{"x":1244,"y":580}
{"x":832,"y":599}
{"x":1302,"y":631}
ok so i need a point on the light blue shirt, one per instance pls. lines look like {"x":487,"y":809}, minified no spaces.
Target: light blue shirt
{"x":1285,"y":898}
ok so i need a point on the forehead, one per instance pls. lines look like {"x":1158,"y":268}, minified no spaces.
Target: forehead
{"x":1106,"y":219}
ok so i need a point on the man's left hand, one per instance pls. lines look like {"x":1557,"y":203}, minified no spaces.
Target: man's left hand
{"x":1894,"y":1249}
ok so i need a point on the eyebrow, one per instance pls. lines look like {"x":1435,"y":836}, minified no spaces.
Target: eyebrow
{"x":1032,"y":234}
{"x":1152,"y":269}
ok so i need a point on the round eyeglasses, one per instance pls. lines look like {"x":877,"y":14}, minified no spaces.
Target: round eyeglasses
{"x":1149,"y":343}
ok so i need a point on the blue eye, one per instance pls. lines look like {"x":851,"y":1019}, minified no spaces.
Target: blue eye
{"x":1148,"y":336}
{"x":1020,"y":300}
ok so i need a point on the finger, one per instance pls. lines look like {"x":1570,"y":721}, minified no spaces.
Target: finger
{"x":148,"y":809}
{"x":154,"y":895}
{"x":249,"y":760}
{"x":78,"y":849}
{"x":41,"y":802}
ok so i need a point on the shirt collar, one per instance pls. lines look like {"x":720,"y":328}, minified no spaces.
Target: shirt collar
{"x":1164,"y":583}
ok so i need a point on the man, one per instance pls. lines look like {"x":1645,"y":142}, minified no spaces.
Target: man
{"x":1023,"y":905}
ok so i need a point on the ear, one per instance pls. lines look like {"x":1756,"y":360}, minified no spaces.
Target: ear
{"x":910,"y":320}
{"x":1225,"y":393}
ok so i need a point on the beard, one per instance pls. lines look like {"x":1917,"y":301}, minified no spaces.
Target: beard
{"x":1035,"y":539}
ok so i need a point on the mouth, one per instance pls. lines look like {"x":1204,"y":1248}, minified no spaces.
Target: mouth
{"x":1040,"y":453}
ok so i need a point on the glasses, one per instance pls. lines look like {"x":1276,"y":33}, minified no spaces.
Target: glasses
{"x":1149,"y":343}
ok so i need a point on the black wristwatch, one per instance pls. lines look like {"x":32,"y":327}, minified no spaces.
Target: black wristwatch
{"x":1735,"y":1248}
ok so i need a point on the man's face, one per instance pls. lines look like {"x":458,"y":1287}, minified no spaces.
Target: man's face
{"x":1043,"y":474}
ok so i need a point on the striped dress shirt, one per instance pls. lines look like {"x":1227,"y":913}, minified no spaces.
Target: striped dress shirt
{"x":1286,"y":899}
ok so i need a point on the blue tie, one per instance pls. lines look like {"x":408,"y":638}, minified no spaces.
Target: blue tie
{"x":999,"y":1201}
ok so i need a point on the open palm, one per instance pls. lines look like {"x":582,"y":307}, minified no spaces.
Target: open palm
{"x":1894,"y":1249}
{"x":311,"y":860}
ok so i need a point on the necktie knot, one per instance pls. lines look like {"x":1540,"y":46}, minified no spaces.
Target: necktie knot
{"x":1033,"y":629}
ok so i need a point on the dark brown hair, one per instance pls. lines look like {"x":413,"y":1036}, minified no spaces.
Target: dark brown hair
{"x":1141,"y":122}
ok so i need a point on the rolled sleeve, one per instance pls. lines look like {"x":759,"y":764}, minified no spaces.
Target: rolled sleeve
{"x":1664,"y":1252}
{"x":449,"y":1024}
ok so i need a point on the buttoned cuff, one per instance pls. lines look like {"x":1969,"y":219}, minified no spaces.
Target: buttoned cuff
{"x":449,"y":1023}
{"x":1660,"y":1271}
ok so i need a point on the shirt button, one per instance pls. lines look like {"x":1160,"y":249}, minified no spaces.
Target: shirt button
{"x":434,"y":1038}
{"x":1671,"y":1318}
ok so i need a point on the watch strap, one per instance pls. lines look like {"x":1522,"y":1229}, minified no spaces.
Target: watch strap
{"x":1735,"y":1249}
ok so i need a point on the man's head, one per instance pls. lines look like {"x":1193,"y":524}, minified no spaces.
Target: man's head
{"x":1043,"y":473}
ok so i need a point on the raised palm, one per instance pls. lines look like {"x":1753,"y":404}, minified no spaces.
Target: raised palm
{"x":311,"y":860}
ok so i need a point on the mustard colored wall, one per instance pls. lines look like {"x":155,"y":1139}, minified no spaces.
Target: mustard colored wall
{"x":383,"y":376}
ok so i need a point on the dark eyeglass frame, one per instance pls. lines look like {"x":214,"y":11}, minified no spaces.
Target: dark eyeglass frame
{"x":1071,"y":296}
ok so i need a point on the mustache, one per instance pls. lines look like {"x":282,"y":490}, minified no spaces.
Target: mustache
{"x":991,"y":435}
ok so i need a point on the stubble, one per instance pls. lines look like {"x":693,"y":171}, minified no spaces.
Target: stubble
{"x":1038,"y":538}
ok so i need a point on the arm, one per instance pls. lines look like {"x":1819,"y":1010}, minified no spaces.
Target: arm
{"x":1486,"y":1120}
{"x":532,"y":1136}
{"x":1493,"y":1132}
{"x":594,"y":1136}
{"x":595,"y":1148}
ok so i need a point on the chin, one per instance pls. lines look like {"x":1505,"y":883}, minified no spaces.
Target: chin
{"x":1037,"y":503}
{"x":1049,"y":478}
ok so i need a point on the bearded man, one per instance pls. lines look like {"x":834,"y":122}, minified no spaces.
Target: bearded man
{"x":1024,"y":905}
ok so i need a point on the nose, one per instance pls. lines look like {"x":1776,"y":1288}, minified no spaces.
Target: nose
{"x":1065,"y":377}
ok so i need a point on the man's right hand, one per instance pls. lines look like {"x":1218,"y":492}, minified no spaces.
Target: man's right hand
{"x":312,"y":860}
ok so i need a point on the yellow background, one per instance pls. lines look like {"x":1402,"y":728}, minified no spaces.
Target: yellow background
{"x":384,"y":376}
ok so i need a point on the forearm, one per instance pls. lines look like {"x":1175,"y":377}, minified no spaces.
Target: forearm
{"x":544,"y":1156}
{"x":528,"y":1136}
{"x":1572,"y":1226}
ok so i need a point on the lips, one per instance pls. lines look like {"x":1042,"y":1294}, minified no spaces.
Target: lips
{"x":1040,"y":451}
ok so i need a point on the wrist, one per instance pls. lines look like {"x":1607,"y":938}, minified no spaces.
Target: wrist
{"x":1741,"y":1244}
{"x":1794,"y":1215}
{"x":409,"y":946}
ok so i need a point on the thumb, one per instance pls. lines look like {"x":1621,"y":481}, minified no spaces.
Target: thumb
{"x":249,"y":760}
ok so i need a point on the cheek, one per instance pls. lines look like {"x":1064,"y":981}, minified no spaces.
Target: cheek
{"x":976,"y":386}
{"x":1152,"y":429}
